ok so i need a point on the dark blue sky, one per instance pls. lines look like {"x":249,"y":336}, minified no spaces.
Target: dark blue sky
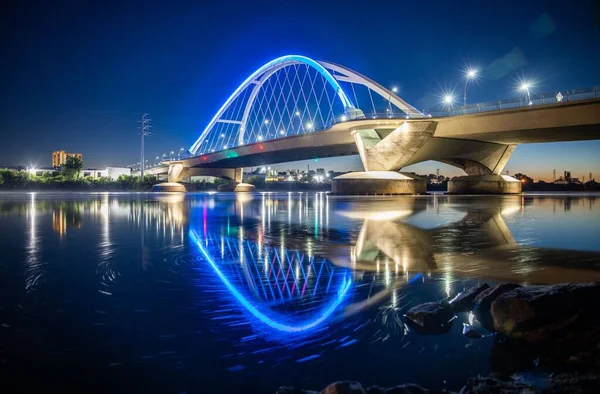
{"x":78,"y":75}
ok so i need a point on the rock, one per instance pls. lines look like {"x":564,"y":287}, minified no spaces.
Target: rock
{"x":407,"y":389}
{"x":470,"y":332}
{"x":463,"y":302}
{"x":573,"y":384}
{"x":495,"y":385}
{"x":431,"y":317}
{"x":347,"y":387}
{"x":538,"y":313}
{"x":293,"y":390}
{"x":483,"y":303}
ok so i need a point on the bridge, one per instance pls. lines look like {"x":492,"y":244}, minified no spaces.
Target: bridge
{"x":295,"y":108}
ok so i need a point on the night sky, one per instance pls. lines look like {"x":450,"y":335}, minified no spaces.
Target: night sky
{"x":78,"y":75}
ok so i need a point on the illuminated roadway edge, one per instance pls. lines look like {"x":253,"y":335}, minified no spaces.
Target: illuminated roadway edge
{"x":304,"y":326}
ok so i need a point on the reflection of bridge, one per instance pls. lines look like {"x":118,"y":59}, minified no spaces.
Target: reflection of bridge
{"x":287,"y":291}
{"x":295,"y":108}
{"x":479,"y":244}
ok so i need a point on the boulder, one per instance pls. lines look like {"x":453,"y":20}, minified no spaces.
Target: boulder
{"x":431,"y":317}
{"x":463,"y":302}
{"x":293,"y":390}
{"x":565,"y":383}
{"x":347,"y":387}
{"x":495,"y":385}
{"x":483,"y":303}
{"x":538,"y":313}
{"x":407,"y":389}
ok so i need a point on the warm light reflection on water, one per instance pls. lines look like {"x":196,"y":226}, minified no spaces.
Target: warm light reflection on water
{"x":263,"y":289}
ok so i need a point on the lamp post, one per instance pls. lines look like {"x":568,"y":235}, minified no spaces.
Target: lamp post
{"x":470,"y":75}
{"x":525,"y":87}
{"x":393,"y":90}
{"x":179,"y":154}
{"x":156,"y":160}
{"x":171,"y":155}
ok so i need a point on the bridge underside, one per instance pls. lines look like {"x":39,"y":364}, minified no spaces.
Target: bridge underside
{"x":479,"y":144}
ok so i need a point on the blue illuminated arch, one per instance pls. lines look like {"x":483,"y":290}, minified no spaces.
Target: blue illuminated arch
{"x":300,"y":327}
{"x":270,"y":68}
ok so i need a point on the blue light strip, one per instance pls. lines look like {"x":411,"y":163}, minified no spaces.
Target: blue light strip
{"x":304,"y":326}
{"x":273,"y":63}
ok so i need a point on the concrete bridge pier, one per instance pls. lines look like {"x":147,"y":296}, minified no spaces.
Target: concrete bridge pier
{"x":390,"y":146}
{"x":178,"y":172}
{"x":383,"y":152}
{"x":484,"y":184}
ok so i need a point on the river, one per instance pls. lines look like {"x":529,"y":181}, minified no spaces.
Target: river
{"x":247,"y":292}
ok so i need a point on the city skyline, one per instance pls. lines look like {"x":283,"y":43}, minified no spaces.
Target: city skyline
{"x":104,"y":80}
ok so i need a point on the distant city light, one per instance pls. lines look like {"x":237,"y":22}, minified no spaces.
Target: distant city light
{"x":225,"y":147}
{"x":297,"y":113}
{"x":266,"y":121}
{"x":344,"y":118}
{"x":222,"y":135}
{"x":282,"y":132}
{"x":395,"y":89}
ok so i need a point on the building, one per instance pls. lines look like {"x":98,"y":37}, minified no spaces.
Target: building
{"x":109,"y":172}
{"x":59,"y":157}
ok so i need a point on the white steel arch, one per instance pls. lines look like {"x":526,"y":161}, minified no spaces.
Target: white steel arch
{"x":351,"y":76}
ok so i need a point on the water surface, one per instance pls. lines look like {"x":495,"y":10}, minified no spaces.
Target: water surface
{"x":224,"y":292}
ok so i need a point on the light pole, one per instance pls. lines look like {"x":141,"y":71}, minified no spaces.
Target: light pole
{"x":470,"y":75}
{"x":394,"y":90}
{"x":156,"y":160}
{"x":171,"y":155}
{"x":179,"y":154}
{"x":525,"y":87}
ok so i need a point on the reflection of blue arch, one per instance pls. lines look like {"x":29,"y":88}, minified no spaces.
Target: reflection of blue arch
{"x":303,"y":326}
{"x":269,"y":69}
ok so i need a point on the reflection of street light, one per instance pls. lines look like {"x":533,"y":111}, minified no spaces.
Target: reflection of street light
{"x":470,"y":75}
{"x":525,"y":87}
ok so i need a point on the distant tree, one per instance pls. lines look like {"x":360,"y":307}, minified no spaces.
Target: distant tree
{"x":11,"y":179}
{"x":72,"y":167}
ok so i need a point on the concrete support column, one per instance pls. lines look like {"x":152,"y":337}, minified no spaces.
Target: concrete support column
{"x":484,"y":184}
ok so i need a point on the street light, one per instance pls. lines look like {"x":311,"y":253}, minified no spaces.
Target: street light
{"x":156,"y":159}
{"x":179,"y":154}
{"x":171,"y":155}
{"x":471,"y":74}
{"x":448,"y":99}
{"x":525,"y":87}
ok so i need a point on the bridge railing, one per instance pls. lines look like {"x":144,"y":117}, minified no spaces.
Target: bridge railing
{"x":534,"y":99}
{"x":498,"y":105}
